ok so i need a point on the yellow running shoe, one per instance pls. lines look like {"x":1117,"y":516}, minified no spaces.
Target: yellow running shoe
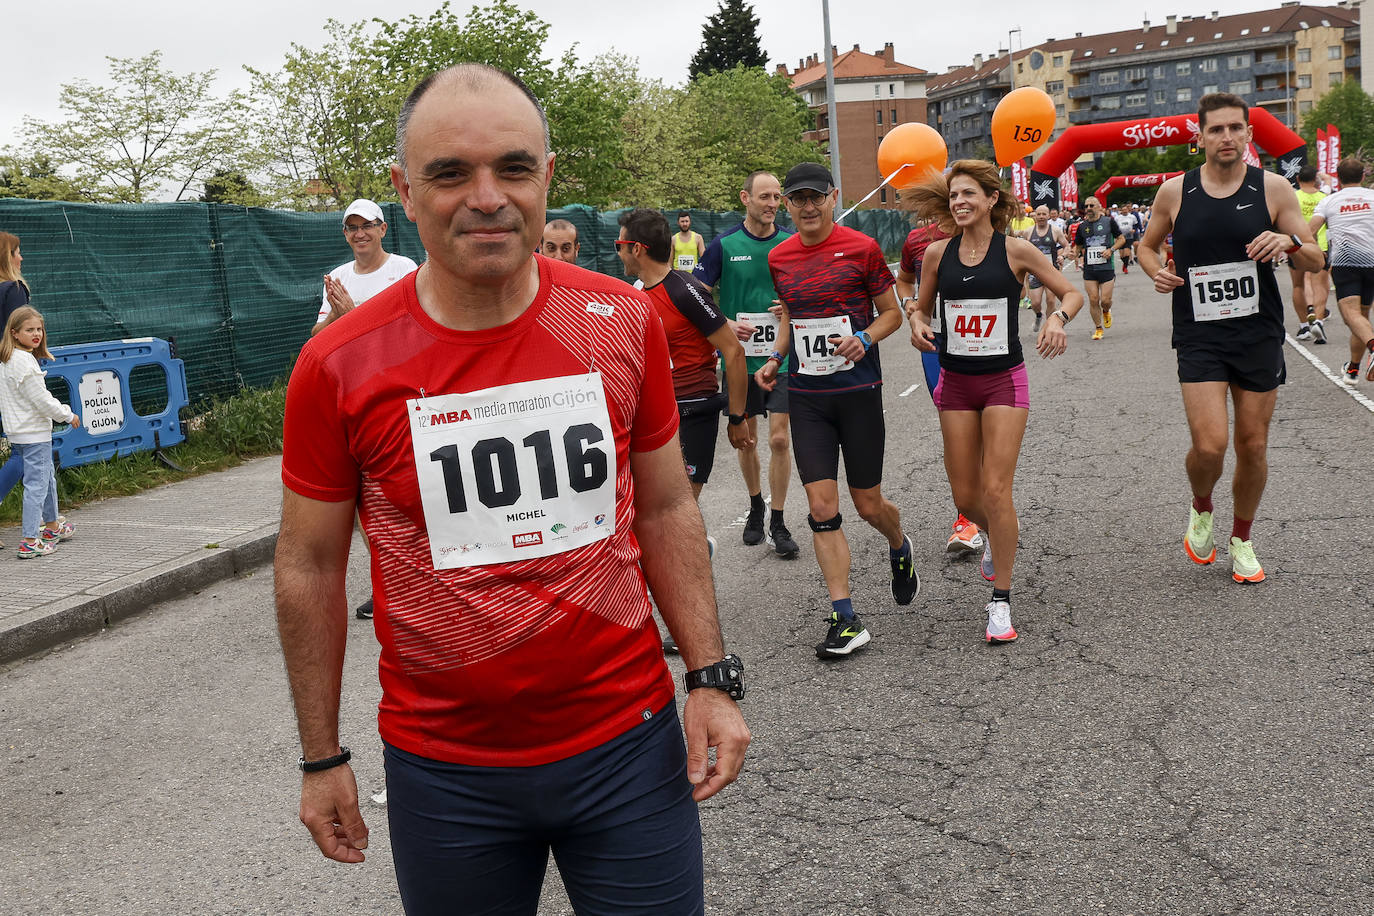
{"x":1097,"y":334}
{"x":1198,"y":542}
{"x":1244,"y":566}
{"x":1106,"y":318}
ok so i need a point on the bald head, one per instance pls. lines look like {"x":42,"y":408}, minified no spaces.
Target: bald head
{"x":463,"y":78}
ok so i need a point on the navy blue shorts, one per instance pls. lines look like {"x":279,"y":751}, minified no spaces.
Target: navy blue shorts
{"x":619,"y":819}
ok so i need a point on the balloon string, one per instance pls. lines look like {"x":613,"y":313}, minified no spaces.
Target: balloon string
{"x":880,"y":186}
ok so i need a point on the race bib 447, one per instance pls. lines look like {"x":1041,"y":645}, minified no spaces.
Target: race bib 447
{"x":514,"y":472}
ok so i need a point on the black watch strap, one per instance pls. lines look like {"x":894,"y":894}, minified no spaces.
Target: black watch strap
{"x":325,"y":763}
{"x":726,"y":674}
{"x":737,"y":418}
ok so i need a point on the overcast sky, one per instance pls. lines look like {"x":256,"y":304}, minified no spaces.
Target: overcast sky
{"x":49,"y":43}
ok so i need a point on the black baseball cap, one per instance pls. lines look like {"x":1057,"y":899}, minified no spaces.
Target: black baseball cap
{"x":808,"y":176}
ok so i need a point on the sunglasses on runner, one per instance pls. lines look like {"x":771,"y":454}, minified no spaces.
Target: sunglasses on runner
{"x":621,"y":243}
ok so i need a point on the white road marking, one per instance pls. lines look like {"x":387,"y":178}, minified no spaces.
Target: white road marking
{"x":908,"y":391}
{"x":1335,"y":378}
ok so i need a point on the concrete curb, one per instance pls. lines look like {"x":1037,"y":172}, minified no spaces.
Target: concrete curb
{"x":100,"y":606}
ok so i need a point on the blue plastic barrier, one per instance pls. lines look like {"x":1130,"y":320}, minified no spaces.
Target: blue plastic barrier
{"x":97,"y":376}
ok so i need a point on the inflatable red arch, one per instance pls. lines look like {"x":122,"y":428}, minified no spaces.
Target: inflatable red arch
{"x":1271,"y":135}
{"x":1116,"y":182}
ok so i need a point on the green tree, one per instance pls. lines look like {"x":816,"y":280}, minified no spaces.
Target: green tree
{"x":1348,"y":107}
{"x":147,"y":133}
{"x":692,"y":147}
{"x":729,"y":39}
{"x":326,"y":121}
{"x":230,"y":186}
{"x":36,"y":178}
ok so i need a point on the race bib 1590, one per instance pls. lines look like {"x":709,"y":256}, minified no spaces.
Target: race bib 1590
{"x":514,"y":472}
{"x":1221,"y":291}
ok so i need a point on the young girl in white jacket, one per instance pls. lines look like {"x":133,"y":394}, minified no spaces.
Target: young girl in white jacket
{"x":28,"y":411}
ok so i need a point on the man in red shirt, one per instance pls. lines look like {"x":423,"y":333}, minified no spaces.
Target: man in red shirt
{"x":505,"y":424}
{"x":830,"y":279}
{"x":696,"y":331}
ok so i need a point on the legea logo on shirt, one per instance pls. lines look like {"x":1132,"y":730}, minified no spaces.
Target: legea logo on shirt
{"x":601,"y":308}
{"x":528,"y":539}
{"x":742,"y":257}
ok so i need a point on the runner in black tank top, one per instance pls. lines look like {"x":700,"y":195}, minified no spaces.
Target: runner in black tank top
{"x":1229,"y":222}
{"x":1210,"y":232}
{"x":982,"y":395}
{"x":1049,"y":239}
{"x":978,"y":307}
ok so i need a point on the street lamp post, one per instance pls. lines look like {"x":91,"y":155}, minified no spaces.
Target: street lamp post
{"x":1011,"y":73}
{"x":833,"y":138}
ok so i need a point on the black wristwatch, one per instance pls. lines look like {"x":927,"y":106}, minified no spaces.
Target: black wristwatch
{"x":325,"y":763}
{"x":737,"y":418}
{"x":726,"y":674}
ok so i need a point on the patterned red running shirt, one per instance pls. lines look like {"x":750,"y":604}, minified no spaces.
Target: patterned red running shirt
{"x":510,"y":663}
{"x":840,"y":276}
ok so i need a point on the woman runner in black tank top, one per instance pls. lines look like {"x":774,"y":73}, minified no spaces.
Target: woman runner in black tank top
{"x":982,"y":395}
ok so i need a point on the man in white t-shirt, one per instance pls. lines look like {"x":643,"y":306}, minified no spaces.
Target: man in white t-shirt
{"x":1348,"y":216}
{"x":371,"y":270}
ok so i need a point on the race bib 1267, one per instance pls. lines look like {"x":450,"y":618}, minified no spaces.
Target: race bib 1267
{"x":514,"y":472}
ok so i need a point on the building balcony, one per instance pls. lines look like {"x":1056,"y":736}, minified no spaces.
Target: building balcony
{"x":1085,"y":116}
{"x":1271,"y":67}
{"x":1352,"y":62}
{"x":1265,"y":96}
{"x":1080,"y":92}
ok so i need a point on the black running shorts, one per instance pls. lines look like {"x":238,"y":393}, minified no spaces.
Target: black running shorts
{"x":1257,"y":367}
{"x":1354,"y":281}
{"x":760,"y":403}
{"x":698,"y":424}
{"x":824,"y":425}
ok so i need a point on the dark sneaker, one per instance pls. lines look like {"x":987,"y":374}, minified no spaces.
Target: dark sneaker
{"x":843,"y":637}
{"x":782,"y":542}
{"x":906,"y":584}
{"x":364,"y":610}
{"x":753,"y":528}
{"x":1318,"y":331}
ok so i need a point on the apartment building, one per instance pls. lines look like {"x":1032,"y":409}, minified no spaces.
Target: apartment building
{"x":1283,"y":59}
{"x":873,"y":94}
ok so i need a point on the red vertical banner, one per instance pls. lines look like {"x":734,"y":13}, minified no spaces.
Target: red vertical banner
{"x":1068,"y":187}
{"x":1251,"y":156}
{"x":1333,"y":154}
{"x":1018,"y":180}
{"x":1323,"y":165}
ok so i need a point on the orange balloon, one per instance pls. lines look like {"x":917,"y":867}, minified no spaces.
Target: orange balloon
{"x":918,"y":147}
{"x":1022,"y":121}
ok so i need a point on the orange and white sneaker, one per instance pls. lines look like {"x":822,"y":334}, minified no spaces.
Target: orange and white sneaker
{"x":1244,"y":566}
{"x":999,"y":627}
{"x":965,"y":539}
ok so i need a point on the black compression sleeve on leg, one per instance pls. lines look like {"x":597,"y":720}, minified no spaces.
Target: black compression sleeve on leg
{"x":829,"y":525}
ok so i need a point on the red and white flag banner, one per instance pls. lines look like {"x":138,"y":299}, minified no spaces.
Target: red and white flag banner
{"x":1333,"y":154}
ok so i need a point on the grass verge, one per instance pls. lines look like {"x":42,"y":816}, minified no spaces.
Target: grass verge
{"x":226,"y":433}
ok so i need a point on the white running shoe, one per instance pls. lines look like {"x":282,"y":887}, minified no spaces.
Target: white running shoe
{"x":1318,"y":331}
{"x":988,"y":572}
{"x":999,"y":627}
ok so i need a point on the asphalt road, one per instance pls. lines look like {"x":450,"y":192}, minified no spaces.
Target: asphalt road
{"x":1161,"y":740}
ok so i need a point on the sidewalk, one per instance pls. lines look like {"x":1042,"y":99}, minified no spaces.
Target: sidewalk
{"x":133,"y":551}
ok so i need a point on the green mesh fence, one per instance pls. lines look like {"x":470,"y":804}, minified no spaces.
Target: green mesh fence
{"x":237,"y":289}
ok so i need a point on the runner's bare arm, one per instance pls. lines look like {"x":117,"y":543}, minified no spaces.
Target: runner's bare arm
{"x":1286,"y":214}
{"x":1026,"y":258}
{"x":1162,"y":211}
{"x":736,"y":383}
{"x":1314,"y":225}
{"x":767,"y":374}
{"x":906,"y":285}
{"x":919,"y":312}
{"x":312,"y":623}
{"x":672,"y":540}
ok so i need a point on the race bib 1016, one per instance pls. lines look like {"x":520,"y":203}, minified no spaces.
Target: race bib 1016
{"x":1221,"y":291}
{"x":764,"y":340}
{"x":976,"y":327}
{"x":815,"y":353}
{"x":514,"y":472}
